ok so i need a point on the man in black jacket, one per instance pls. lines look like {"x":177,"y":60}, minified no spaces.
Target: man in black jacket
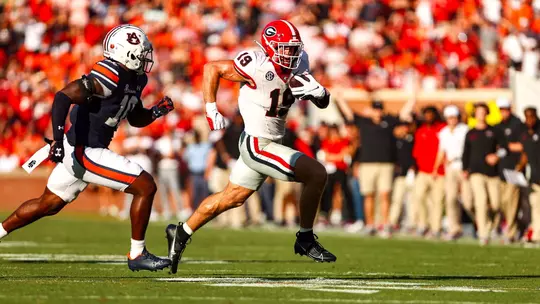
{"x":511,"y":128}
{"x":531,"y":147}
{"x":480,"y":157}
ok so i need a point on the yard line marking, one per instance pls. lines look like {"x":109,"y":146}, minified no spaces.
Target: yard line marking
{"x":356,"y":291}
{"x":248,"y":299}
{"x":342,"y":285}
{"x":26,"y":244}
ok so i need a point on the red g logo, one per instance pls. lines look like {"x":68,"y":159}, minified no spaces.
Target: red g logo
{"x":133,"y":39}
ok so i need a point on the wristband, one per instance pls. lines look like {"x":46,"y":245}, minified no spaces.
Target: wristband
{"x":211,"y":107}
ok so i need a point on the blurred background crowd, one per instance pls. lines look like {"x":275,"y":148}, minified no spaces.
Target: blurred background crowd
{"x":364,"y":44}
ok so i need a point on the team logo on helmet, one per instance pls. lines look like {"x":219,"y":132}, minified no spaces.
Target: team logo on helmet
{"x":270,"y":31}
{"x":133,"y":39}
{"x":269,"y":76}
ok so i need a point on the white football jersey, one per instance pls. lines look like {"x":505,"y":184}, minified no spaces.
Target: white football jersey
{"x":261,"y":101}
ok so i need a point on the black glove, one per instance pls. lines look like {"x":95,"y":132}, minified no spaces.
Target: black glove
{"x":164,"y":106}
{"x":56,"y":154}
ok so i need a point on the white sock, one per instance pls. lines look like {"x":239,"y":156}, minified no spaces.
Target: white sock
{"x":305,"y":229}
{"x":3,"y":231}
{"x":137,"y":248}
{"x":187,"y":229}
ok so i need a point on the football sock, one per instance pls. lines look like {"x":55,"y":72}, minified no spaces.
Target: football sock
{"x":306,"y":234}
{"x":184,"y":233}
{"x":3,"y":231}
{"x":306,"y":229}
{"x":137,"y":248}
{"x":187,"y":229}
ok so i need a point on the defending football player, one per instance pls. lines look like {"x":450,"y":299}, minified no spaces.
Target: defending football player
{"x":265,"y":98}
{"x":108,"y":94}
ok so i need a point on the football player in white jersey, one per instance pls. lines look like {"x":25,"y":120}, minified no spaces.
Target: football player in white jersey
{"x":265,"y":98}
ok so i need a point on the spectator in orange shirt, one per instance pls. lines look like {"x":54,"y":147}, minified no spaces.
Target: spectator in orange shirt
{"x":428,"y":185}
{"x":336,"y":153}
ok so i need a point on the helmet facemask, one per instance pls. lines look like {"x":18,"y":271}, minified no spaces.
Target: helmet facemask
{"x":141,"y":62}
{"x":147,"y":60}
{"x":286,"y":54}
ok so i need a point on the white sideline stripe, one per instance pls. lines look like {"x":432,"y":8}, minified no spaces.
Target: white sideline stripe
{"x":250,"y":299}
{"x":343,"y":285}
{"x":106,"y":259}
{"x":24,"y":244}
{"x":336,"y":282}
{"x":357,"y":287}
{"x":356,"y":291}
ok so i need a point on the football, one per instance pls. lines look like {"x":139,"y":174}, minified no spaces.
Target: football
{"x":295,"y":83}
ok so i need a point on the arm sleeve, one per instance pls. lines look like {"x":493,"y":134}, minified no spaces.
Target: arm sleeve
{"x":466,"y":153}
{"x":107,"y":73}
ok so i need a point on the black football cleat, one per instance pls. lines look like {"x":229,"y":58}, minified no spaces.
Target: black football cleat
{"x":147,"y":261}
{"x":313,"y":250}
{"x":176,"y":245}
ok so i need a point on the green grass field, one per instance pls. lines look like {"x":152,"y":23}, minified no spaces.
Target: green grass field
{"x":77,"y":259}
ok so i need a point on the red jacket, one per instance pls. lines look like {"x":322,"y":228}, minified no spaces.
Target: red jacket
{"x":336,"y":147}
{"x":426,"y":146}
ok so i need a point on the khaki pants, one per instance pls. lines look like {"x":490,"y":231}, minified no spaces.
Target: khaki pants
{"x":235,"y":217}
{"x":455,"y":184}
{"x":399,"y":192}
{"x":285,"y":192}
{"x":486,"y":194}
{"x":429,"y":211}
{"x":534,"y":199}
{"x":509,"y":207}
{"x":376,"y":177}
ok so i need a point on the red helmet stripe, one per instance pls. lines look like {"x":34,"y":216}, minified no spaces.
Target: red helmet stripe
{"x":292,"y":28}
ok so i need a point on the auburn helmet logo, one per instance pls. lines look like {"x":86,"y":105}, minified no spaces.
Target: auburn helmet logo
{"x":133,"y":39}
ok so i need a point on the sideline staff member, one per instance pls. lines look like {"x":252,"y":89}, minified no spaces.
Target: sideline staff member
{"x":378,"y":155}
{"x":511,"y":128}
{"x":531,"y":145}
{"x":480,"y":165}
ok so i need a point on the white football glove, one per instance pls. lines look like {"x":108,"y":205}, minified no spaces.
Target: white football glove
{"x":310,"y":87}
{"x":216,"y":121}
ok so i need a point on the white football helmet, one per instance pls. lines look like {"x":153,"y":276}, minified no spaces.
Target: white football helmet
{"x":128,"y":45}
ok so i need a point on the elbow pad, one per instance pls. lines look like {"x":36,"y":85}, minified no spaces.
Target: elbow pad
{"x":87,"y":87}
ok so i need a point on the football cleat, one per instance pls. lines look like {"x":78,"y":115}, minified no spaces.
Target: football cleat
{"x":176,"y":246}
{"x":313,"y":250}
{"x":147,"y":261}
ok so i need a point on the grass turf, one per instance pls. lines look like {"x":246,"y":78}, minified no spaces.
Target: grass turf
{"x":75,"y":259}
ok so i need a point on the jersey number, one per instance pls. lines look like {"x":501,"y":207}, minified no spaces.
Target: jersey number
{"x":244,"y":59}
{"x":128,"y":103}
{"x":274,"y":112}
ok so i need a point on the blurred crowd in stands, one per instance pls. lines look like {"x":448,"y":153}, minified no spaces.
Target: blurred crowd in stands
{"x":364,"y":44}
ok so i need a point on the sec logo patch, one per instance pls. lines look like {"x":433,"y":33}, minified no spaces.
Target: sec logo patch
{"x":269,"y":76}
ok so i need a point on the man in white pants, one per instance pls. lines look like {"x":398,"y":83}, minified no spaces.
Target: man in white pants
{"x":451,"y":141}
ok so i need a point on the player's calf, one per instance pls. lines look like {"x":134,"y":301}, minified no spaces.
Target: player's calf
{"x":178,"y":235}
{"x":143,"y":189}
{"x":32,"y":210}
{"x":313,"y":175}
